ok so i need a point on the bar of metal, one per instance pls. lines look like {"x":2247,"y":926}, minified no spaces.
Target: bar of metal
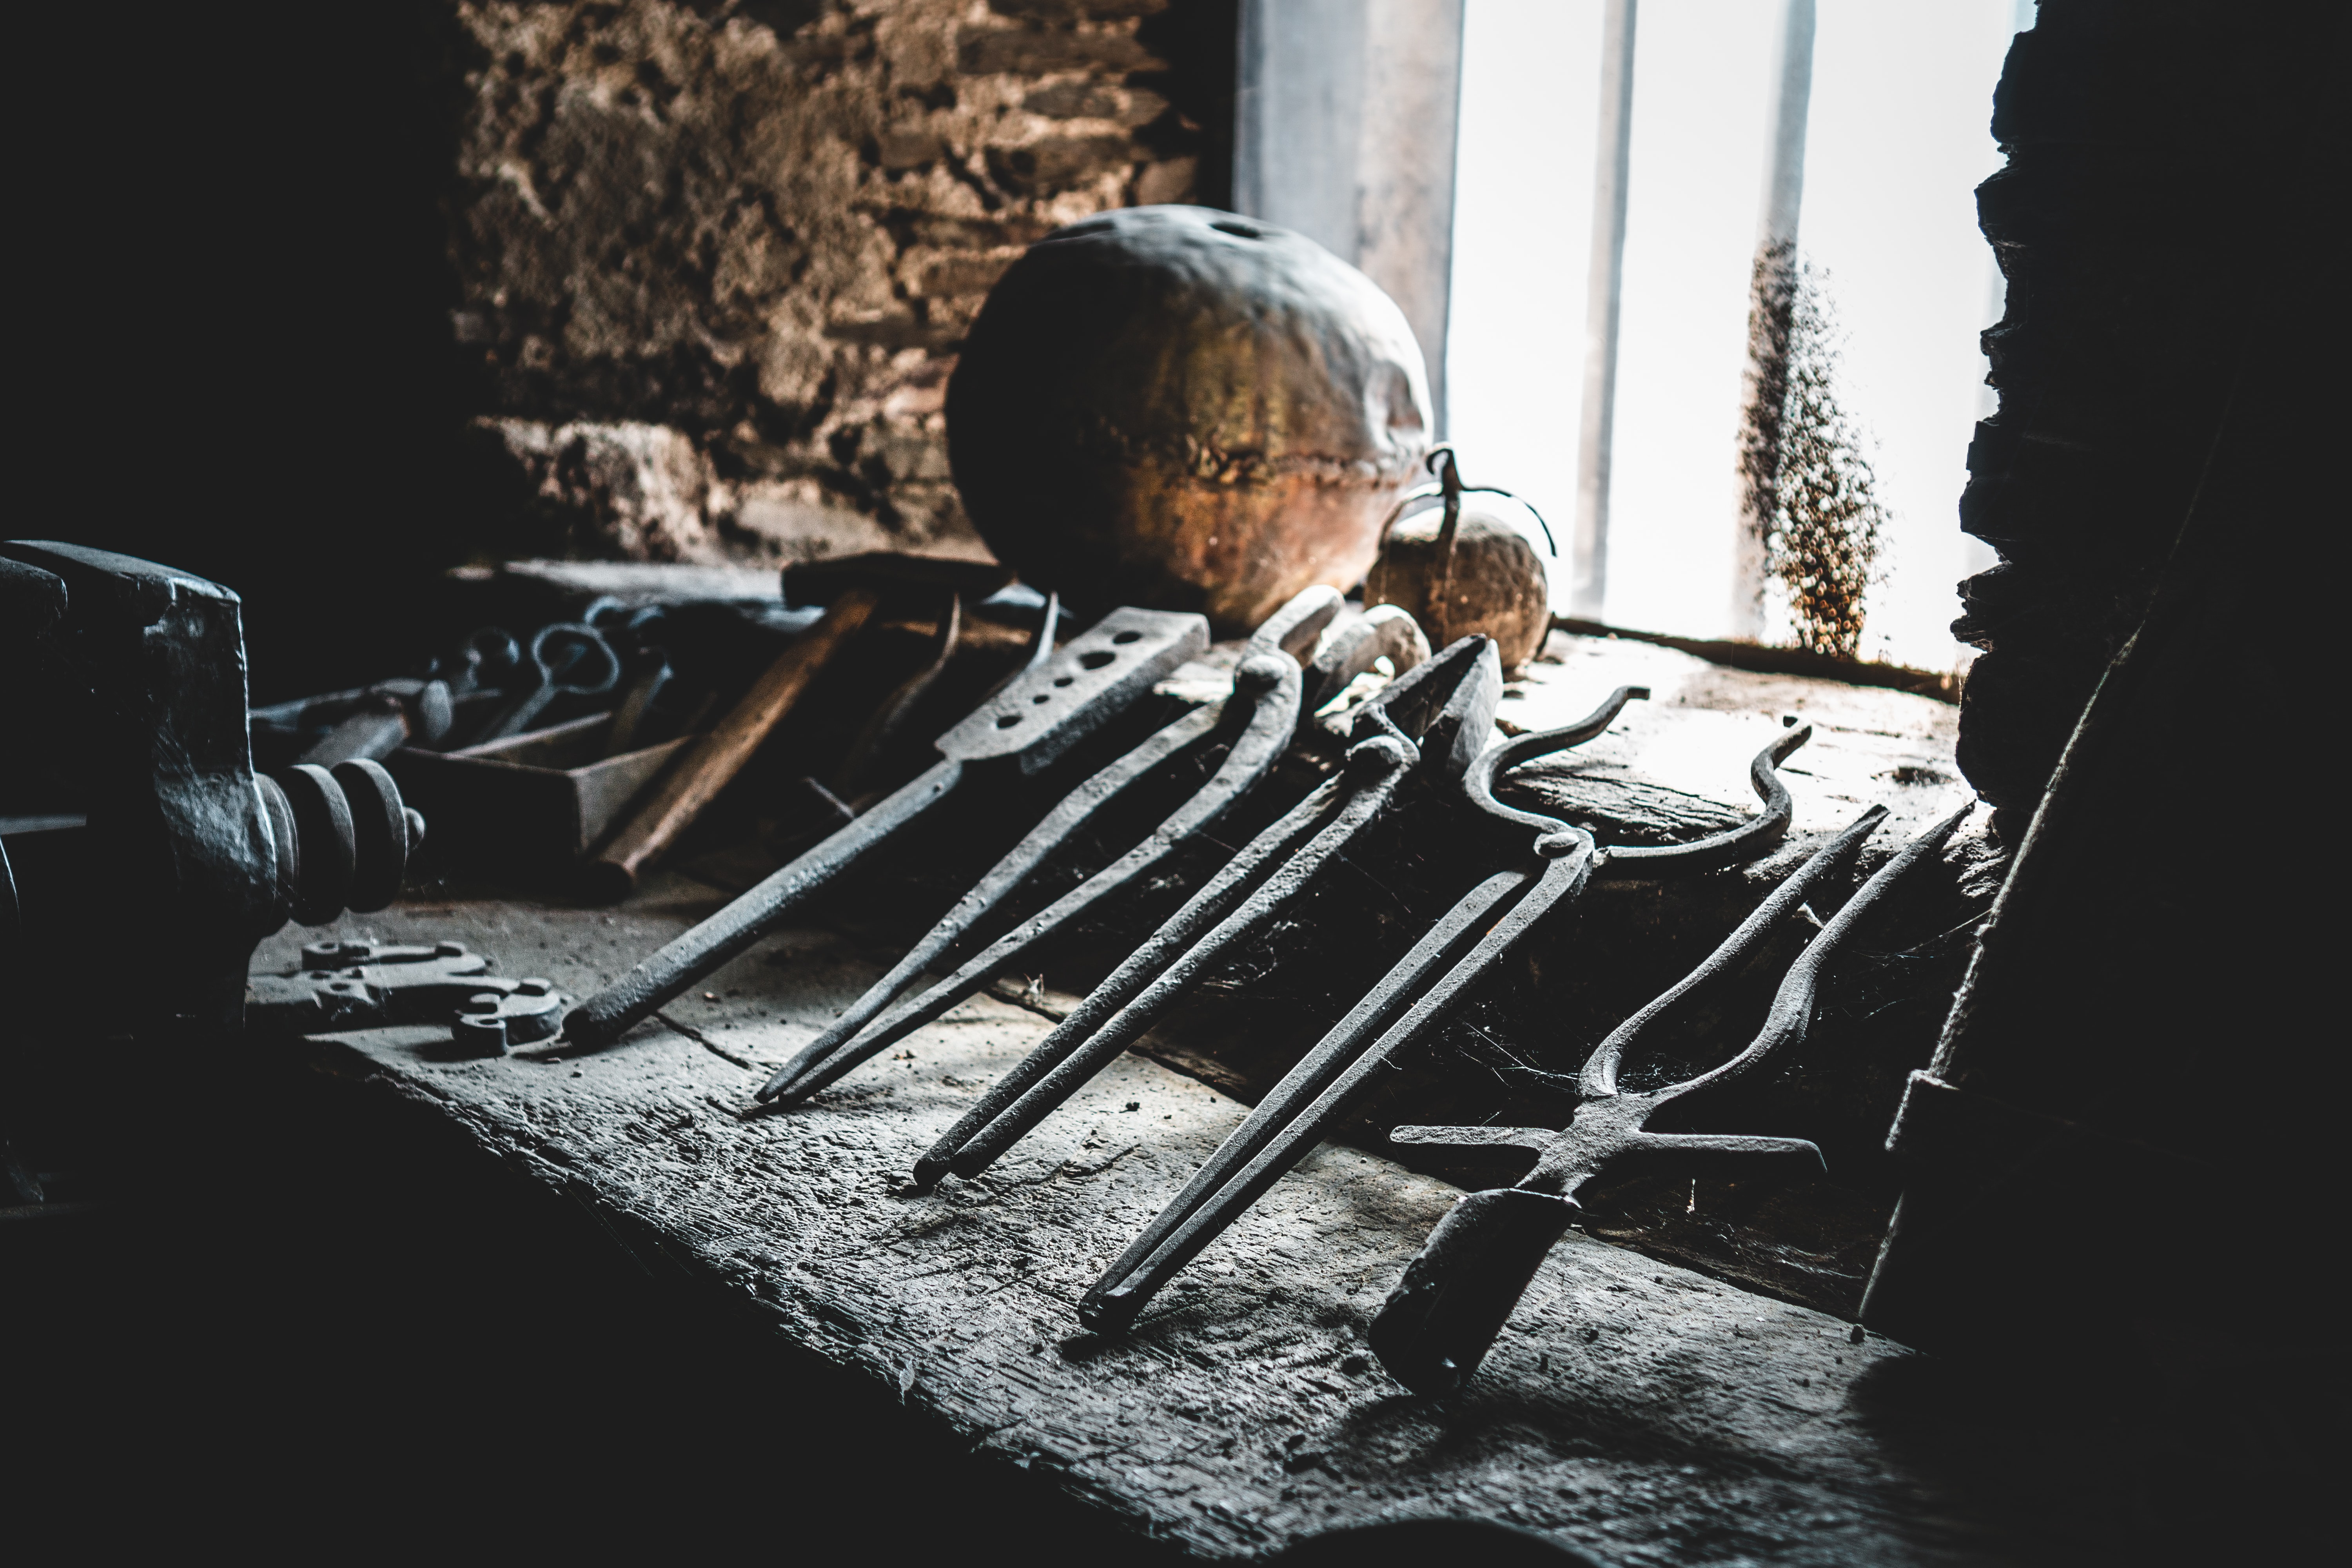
{"x":1275,"y":698}
{"x":1269,"y":688}
{"x":1456,"y":953}
{"x":1027,"y":723}
{"x":1435,"y":715}
{"x":1443,"y":1315}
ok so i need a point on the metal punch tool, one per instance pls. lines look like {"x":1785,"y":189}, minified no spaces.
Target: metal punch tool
{"x":1436,"y":716}
{"x":1028,"y":723}
{"x":1443,"y":1315}
{"x":1271,"y":697}
{"x":1417,"y":996}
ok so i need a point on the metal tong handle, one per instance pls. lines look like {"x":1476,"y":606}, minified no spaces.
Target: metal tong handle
{"x":1444,"y":1314}
{"x":1295,"y":1115}
{"x":1268,"y":680}
{"x":1446,"y":701}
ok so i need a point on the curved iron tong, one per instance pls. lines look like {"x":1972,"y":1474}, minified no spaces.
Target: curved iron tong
{"x":1436,"y":715}
{"x":1028,"y":723}
{"x":1443,"y":1315}
{"x":1474,"y":936}
{"x":1272,"y":696}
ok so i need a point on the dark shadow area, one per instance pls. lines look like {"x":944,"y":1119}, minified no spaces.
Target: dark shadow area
{"x":239,"y":357}
{"x":313,"y":1319}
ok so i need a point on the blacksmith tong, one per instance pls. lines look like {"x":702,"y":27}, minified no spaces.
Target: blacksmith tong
{"x":1271,"y":697}
{"x":1027,"y":724}
{"x":1417,"y":996}
{"x":1436,"y":716}
{"x":1444,"y":1314}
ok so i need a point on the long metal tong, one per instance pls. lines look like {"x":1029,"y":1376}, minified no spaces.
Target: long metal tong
{"x":1272,"y":696}
{"x":1436,"y":715}
{"x":1028,"y":723}
{"x":1443,"y":1315}
{"x":1414,"y":998}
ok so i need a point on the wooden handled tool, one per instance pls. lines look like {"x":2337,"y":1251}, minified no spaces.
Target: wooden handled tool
{"x":706,"y":767}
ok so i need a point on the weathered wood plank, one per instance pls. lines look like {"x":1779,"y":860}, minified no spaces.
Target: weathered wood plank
{"x":1640,"y":1410}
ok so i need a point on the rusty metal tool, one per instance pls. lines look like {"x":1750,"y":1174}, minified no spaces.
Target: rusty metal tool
{"x":1443,"y":1315}
{"x":1272,"y":696}
{"x":1435,"y":716}
{"x":712,"y":762}
{"x":1415,"y":997}
{"x":371,"y":985}
{"x":1026,"y":724}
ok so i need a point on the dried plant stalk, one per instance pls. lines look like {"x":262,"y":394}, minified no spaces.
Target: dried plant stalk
{"x":1809,"y":494}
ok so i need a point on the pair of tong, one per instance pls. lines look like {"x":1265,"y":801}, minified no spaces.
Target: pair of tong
{"x":1455,"y":1295}
{"x":1026,"y":724}
{"x":1436,"y":716}
{"x":1273,"y":695}
{"x":1415,"y":997}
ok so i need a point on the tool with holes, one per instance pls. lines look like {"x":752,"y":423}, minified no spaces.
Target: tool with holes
{"x":1028,"y":725}
{"x":1273,"y":695}
{"x":853,"y":590}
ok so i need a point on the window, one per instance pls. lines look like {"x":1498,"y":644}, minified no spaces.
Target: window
{"x":1894,"y":141}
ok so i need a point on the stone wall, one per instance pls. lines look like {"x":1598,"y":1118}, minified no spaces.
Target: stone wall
{"x":713,"y":262}
{"x":2152,"y":149}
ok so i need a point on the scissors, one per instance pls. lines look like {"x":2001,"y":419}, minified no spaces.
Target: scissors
{"x":572,"y":660}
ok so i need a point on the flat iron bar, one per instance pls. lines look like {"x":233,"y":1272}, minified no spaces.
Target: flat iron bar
{"x":843,"y":1046}
{"x":672,"y":970}
{"x":1027,"y":723}
{"x":1269,"y":679}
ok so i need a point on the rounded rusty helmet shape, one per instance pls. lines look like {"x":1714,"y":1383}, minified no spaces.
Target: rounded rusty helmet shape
{"x":1177,"y":407}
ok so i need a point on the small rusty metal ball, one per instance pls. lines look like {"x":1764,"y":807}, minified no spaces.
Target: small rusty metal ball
{"x":1176,"y":407}
{"x":1499,"y":586}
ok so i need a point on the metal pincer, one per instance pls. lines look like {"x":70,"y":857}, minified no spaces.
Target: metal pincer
{"x":1443,"y":1315}
{"x":1414,"y":999}
{"x":1271,"y":697}
{"x":1028,"y":723}
{"x":1436,"y":716}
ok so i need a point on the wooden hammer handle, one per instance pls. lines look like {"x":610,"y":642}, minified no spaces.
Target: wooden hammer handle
{"x":708,"y":765}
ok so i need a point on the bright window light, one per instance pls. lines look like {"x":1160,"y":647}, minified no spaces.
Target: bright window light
{"x":1895,"y":144}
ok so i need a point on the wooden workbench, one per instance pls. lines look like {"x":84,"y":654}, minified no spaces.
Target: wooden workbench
{"x":1644,"y":1412}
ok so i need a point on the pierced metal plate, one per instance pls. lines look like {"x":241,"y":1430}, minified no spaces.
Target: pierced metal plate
{"x":1093,"y":678}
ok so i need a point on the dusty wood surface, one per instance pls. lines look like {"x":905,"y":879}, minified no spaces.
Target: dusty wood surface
{"x":1644,"y":1412}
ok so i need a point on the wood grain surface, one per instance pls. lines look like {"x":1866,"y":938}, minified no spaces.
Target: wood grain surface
{"x":1644,"y":1412}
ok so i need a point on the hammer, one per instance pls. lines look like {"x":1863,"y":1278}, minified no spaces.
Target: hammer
{"x":851,"y":590}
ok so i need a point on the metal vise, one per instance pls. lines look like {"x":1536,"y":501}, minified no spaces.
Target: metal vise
{"x":130,"y":678}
